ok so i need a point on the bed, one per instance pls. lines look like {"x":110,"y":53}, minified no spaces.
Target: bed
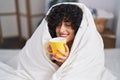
{"x":112,"y":59}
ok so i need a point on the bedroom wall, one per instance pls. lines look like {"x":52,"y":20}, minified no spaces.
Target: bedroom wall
{"x":38,"y":9}
{"x":110,"y":6}
{"x":8,"y":19}
{"x":107,"y":5}
{"x":117,"y":23}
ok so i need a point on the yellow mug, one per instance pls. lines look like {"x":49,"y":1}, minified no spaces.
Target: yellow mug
{"x":57,"y":44}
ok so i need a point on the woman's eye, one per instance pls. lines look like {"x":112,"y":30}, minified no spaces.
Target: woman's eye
{"x":68,"y":24}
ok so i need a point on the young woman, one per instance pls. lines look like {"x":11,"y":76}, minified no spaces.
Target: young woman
{"x":64,"y":21}
{"x":84,"y":55}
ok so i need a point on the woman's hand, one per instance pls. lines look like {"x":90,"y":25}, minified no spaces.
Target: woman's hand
{"x":61,"y":59}
{"x":49,"y":49}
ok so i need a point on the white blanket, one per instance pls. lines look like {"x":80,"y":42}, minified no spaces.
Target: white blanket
{"x":86,"y":60}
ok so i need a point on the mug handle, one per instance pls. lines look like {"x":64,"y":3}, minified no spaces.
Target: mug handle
{"x":46,"y":48}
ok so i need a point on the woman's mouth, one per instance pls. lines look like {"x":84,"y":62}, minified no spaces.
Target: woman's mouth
{"x":64,"y":36}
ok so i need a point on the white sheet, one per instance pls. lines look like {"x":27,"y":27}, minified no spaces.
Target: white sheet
{"x":112,"y":59}
{"x":8,"y":54}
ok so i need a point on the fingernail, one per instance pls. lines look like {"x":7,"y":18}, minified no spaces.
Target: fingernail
{"x":54,"y":55}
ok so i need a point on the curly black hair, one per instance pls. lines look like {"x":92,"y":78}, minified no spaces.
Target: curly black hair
{"x":64,"y":12}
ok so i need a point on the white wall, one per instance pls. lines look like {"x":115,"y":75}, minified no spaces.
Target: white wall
{"x":37,"y":7}
{"x":102,"y":4}
{"x":8,"y":23}
{"x":107,"y":5}
{"x":110,"y":6}
{"x":118,"y":24}
{"x":7,"y":6}
{"x":118,"y":32}
{"x":9,"y":26}
{"x":23,"y":19}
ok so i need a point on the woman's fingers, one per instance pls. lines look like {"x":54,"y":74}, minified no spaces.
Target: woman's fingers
{"x":59,"y":58}
{"x":49,"y":49}
{"x":65,"y":54}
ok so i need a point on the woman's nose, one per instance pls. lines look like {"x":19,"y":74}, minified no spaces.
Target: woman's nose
{"x":62,"y":28}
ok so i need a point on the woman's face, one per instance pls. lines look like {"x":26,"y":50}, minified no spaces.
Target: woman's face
{"x":65,"y":30}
